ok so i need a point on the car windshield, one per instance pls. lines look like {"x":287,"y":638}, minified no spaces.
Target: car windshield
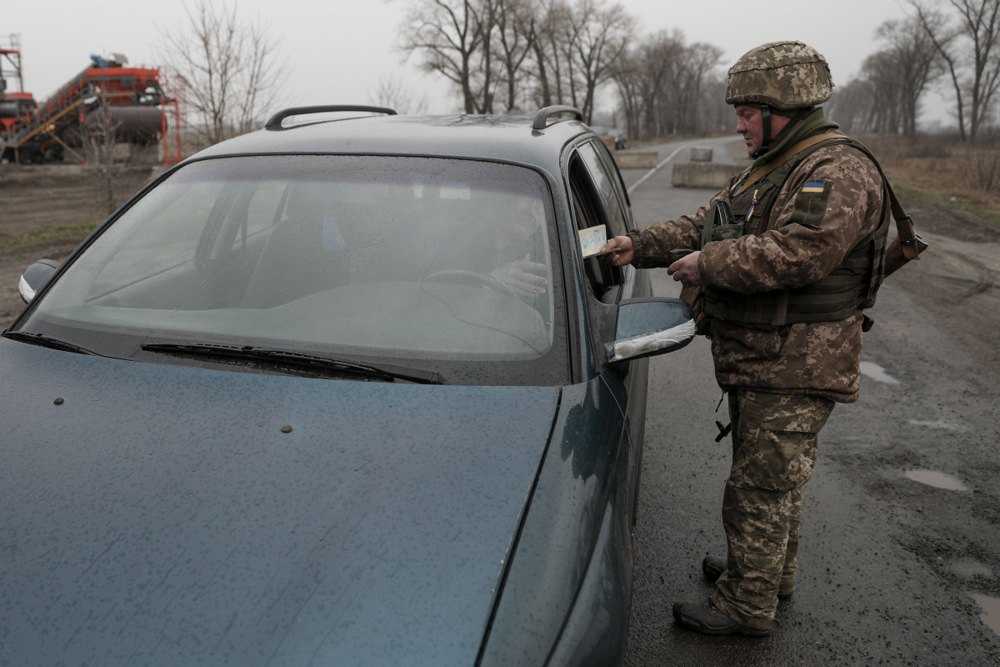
{"x":447,"y":264}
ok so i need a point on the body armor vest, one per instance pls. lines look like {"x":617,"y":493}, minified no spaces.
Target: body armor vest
{"x":850,"y":287}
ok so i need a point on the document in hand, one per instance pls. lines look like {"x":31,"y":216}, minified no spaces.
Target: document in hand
{"x":592,"y":239}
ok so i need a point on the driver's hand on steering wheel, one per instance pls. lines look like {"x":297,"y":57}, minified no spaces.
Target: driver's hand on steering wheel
{"x":523,"y":277}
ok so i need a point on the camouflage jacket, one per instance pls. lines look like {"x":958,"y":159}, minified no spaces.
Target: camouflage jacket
{"x":822,"y":358}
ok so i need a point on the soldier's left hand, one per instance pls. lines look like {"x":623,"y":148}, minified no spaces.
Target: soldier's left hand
{"x":686,"y":269}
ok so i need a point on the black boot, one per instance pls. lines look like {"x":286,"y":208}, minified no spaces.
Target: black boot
{"x":708,"y":620}
{"x":713,"y":568}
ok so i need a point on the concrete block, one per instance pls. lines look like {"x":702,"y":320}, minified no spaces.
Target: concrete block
{"x":701,"y":154}
{"x":636,"y":159}
{"x":708,"y":175}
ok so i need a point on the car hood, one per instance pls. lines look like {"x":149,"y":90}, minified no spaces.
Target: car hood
{"x":161,"y":513}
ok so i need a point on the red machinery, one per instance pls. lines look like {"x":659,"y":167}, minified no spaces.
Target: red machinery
{"x":13,"y":104}
{"x":142,"y":115}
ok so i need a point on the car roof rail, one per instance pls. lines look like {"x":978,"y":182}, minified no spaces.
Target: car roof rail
{"x":274,"y":122}
{"x":542,"y":117}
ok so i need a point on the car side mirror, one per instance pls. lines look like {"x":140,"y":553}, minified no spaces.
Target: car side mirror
{"x":647,"y":327}
{"x":35,"y":277}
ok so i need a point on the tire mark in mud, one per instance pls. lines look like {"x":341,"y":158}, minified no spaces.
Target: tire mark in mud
{"x":983,"y":281}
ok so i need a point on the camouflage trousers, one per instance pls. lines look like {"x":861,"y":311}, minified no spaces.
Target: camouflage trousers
{"x":774,"y":453}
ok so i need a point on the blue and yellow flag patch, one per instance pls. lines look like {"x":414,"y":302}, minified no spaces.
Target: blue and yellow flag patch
{"x":813,"y":187}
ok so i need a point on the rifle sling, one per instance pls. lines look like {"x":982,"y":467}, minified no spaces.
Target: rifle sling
{"x":911,"y":244}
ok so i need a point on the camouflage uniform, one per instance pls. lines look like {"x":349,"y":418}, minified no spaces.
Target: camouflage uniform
{"x":821,"y":358}
{"x":782,"y":380}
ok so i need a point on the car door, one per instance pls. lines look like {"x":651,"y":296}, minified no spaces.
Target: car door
{"x":599,"y":198}
{"x":639,"y":369}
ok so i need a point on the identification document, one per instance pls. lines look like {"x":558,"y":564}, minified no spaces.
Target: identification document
{"x":592,"y":239}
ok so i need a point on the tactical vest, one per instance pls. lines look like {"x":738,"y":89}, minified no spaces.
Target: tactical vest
{"x":850,"y":287}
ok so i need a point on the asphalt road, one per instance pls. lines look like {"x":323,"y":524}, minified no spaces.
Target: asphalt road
{"x":893,"y":570}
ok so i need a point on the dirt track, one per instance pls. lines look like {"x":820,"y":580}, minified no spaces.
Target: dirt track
{"x":43,"y":213}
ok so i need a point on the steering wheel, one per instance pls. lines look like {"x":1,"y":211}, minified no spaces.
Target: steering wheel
{"x":463,"y":276}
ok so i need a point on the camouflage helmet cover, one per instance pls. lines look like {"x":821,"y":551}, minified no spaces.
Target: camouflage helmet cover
{"x":783,"y":75}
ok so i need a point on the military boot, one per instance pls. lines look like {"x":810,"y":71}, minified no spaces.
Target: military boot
{"x":706,"y":619}
{"x":713,"y":568}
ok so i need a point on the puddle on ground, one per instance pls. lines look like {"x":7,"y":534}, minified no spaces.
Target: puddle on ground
{"x":877,"y":373}
{"x":938,"y":480}
{"x":991,"y":611}
{"x":939,"y":424}
{"x":968,"y":568}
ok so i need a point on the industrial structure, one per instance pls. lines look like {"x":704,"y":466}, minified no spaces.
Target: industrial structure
{"x":142,"y":116}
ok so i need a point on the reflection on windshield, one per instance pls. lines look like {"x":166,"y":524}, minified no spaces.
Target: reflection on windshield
{"x":398,"y":257}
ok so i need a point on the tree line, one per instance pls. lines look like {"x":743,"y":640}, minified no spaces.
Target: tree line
{"x":509,"y":55}
{"x":952,"y":44}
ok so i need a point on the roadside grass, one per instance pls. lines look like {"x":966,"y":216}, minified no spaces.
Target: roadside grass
{"x":936,"y":171}
{"x":44,"y":237}
{"x":955,"y":200}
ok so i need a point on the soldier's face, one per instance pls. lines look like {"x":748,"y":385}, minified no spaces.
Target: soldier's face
{"x":750,"y":124}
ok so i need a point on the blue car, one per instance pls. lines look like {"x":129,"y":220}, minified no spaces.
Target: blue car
{"x":351,"y":391}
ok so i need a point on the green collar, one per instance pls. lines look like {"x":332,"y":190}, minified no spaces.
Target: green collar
{"x":810,"y":124}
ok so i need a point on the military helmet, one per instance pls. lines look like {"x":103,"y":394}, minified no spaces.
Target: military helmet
{"x":782,"y":75}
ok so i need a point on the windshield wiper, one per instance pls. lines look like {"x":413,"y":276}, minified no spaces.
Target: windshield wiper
{"x":296,"y":359}
{"x":46,"y":341}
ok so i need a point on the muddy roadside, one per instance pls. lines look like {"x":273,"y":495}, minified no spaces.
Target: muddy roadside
{"x":45,"y":212}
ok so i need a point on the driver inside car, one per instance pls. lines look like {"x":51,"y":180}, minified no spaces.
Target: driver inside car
{"x":519,"y":246}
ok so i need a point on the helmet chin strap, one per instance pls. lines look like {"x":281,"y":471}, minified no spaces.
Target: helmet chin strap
{"x":765,"y":144}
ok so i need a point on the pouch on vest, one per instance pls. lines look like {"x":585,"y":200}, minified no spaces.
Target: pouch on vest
{"x":721,"y":224}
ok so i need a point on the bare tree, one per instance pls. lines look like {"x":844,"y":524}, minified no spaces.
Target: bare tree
{"x":851,"y":105}
{"x":558,"y":30}
{"x":541,"y":65}
{"x":226,"y":70}
{"x":968,"y":44}
{"x":448,"y":35}
{"x":881,"y":70}
{"x":667,"y":86}
{"x":516,"y":34}
{"x":630,"y":83}
{"x":392,"y":92}
{"x":600,"y":35}
{"x":916,"y":64}
{"x":98,"y":138}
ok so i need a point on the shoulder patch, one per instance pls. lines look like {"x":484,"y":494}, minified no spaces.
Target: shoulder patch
{"x":813,"y":187}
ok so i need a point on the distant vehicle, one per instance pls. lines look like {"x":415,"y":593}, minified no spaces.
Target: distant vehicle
{"x":611,"y":137}
{"x":346,"y":392}
{"x":621,"y":141}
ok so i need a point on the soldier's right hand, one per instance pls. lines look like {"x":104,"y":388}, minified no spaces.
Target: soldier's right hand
{"x":621,"y":249}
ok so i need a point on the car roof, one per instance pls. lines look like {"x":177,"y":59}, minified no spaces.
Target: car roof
{"x":506,"y":138}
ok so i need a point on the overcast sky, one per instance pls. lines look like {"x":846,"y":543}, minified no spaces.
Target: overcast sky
{"x":336,"y":51}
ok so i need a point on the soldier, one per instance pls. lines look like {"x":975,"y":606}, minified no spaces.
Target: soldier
{"x":778,"y":269}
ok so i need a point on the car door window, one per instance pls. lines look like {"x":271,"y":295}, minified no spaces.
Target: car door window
{"x":605,"y":181}
{"x":591,"y":210}
{"x":619,"y":183}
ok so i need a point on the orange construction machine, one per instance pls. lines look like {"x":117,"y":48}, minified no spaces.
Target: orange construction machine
{"x":141,"y":114}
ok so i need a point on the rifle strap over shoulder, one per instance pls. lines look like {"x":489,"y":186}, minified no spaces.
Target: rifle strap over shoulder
{"x":755,"y":175}
{"x":911,"y":244}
